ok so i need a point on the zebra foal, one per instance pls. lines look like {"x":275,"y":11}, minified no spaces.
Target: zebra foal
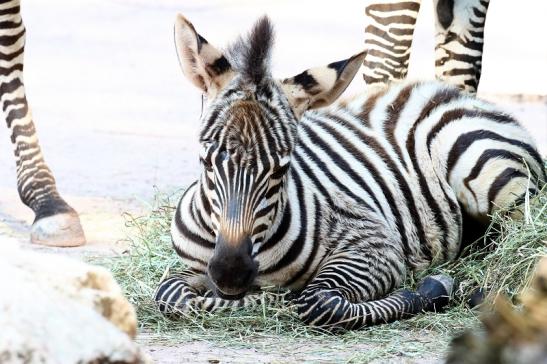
{"x":336,"y":204}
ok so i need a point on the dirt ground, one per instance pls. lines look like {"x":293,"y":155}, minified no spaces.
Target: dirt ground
{"x":117,"y":120}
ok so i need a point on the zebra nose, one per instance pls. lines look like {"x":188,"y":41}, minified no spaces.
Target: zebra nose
{"x":232,"y":268}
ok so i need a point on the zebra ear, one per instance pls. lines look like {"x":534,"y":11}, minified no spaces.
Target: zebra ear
{"x":201,"y":63}
{"x":320,"y":86}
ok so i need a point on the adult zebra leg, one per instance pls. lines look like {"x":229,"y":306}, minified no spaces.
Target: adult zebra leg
{"x":388,"y":38}
{"x":459,"y":41}
{"x":56,"y":223}
{"x":337,"y":297}
{"x":187,"y":293}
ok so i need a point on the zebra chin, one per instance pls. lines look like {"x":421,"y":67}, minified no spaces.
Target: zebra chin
{"x":225,"y":296}
{"x":232,"y":269}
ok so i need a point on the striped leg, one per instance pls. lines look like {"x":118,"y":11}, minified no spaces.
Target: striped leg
{"x":318,"y":305}
{"x":56,"y":223}
{"x":186,"y":293}
{"x":388,"y":38}
{"x":347,"y":296}
{"x":459,"y":41}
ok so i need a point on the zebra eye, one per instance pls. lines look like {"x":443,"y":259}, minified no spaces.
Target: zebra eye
{"x":207,"y":164}
{"x":280,"y":171}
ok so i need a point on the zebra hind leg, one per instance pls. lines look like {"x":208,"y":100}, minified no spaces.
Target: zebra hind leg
{"x":56,"y":223}
{"x":388,"y":38}
{"x":459,"y":41}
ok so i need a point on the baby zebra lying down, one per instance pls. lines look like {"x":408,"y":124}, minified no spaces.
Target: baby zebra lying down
{"x":336,"y":204}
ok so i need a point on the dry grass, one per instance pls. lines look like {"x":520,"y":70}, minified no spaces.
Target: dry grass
{"x":505,"y":267}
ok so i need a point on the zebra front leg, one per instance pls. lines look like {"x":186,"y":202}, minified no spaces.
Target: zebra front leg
{"x":459,"y":41}
{"x":337,"y":297}
{"x":56,"y":223}
{"x":188,"y":294}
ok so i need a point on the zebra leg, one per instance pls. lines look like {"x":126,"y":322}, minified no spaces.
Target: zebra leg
{"x":388,"y":38}
{"x":346,"y":296}
{"x":56,"y":223}
{"x":187,"y":293}
{"x":459,"y":41}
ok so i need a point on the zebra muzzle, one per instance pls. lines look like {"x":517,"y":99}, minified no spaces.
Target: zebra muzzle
{"x":232,"y":269}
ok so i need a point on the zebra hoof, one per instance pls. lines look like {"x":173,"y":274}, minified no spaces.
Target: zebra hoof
{"x":437,"y":290}
{"x":477,"y":298}
{"x":60,"y":230}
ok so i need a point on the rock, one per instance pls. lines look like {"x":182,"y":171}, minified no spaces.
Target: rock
{"x":57,"y":310}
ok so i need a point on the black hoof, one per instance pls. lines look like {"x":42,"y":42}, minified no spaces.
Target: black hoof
{"x":476,"y":298}
{"x":437,"y":291}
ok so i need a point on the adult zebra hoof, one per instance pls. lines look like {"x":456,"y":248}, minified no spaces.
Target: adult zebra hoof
{"x":437,"y":291}
{"x":60,"y":230}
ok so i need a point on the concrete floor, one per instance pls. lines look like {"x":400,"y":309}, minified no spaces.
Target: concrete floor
{"x":117,"y":120}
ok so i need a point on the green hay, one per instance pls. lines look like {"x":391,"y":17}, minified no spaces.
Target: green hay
{"x":505,"y":268}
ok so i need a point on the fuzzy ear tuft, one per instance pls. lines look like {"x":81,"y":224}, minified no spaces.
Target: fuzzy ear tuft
{"x":321,"y":86}
{"x":200,"y":62}
{"x":251,"y":54}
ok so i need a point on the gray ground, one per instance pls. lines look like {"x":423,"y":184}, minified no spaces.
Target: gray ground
{"x":117,"y":120}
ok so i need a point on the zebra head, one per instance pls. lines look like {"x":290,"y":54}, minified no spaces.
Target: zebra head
{"x":247,"y":134}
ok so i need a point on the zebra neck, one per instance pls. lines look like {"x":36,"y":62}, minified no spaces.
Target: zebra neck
{"x":282,"y":215}
{"x":288,"y":224}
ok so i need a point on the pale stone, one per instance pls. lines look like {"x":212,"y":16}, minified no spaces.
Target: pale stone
{"x":57,"y":310}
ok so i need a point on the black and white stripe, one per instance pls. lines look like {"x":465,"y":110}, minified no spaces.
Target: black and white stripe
{"x":459,"y":40}
{"x":369,"y":190}
{"x":56,"y":223}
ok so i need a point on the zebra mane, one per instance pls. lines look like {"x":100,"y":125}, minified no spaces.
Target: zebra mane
{"x":250,"y":55}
